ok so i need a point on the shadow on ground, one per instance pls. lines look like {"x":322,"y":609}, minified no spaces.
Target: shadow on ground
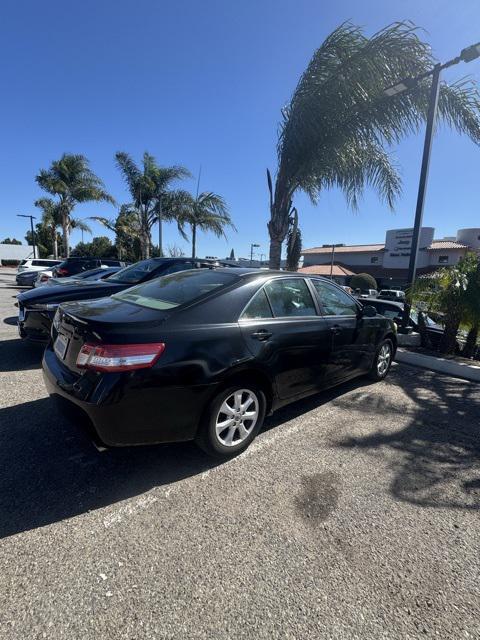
{"x":18,"y":355}
{"x":49,"y":469}
{"x":11,"y":320}
{"x":435,"y":458}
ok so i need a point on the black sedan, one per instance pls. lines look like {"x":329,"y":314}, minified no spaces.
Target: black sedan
{"x":37,"y":308}
{"x":204,"y":355}
{"x":394,"y":310}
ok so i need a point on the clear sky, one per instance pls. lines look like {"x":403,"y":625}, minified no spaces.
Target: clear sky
{"x":202,"y":83}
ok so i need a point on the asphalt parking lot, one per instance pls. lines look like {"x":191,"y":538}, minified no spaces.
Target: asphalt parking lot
{"x":355,"y":514}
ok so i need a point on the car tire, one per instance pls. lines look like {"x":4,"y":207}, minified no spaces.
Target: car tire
{"x":232,"y":420}
{"x":382,"y":361}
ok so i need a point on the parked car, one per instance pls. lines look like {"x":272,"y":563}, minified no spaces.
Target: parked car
{"x":72,"y":266}
{"x":204,"y":355}
{"x":43,"y":277}
{"x":369,"y":293}
{"x":391,"y":294}
{"x":36,"y":264}
{"x":36,"y":308}
{"x":394,"y":311}
{"x":28,"y":278}
{"x":100,"y":273}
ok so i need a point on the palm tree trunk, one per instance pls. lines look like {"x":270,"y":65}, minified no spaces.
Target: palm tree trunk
{"x":470,"y":346}
{"x":160,"y":231}
{"x":66,"y":244}
{"x":278,"y":228}
{"x":194,"y":240}
{"x":55,"y":244}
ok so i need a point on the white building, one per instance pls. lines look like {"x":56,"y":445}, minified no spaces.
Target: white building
{"x":388,"y":262}
{"x":15,"y":252}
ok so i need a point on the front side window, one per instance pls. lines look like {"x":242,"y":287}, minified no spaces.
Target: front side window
{"x":334,"y":301}
{"x":290,"y":297}
{"x":258,"y":307}
{"x":175,"y":289}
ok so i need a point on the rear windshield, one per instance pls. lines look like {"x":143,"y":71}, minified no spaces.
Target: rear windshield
{"x":135,"y":272}
{"x":175,"y":289}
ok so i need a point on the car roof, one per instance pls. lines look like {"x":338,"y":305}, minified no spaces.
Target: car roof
{"x":267,"y":273}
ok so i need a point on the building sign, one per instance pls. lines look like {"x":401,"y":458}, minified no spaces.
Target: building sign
{"x":398,"y":245}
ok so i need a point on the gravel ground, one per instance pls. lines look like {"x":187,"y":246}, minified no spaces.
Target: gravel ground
{"x":355,"y":514}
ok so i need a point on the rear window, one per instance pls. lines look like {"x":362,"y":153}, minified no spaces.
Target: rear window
{"x":135,"y":272}
{"x":175,"y":289}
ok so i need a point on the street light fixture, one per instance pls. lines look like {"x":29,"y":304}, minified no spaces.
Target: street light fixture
{"x":467,"y":55}
{"x":32,"y":218}
{"x":252,"y":247}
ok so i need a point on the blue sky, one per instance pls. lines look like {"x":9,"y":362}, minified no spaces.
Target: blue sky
{"x":202,"y":83}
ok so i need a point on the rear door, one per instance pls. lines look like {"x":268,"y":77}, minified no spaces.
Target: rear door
{"x":352,"y":337}
{"x":284,"y":331}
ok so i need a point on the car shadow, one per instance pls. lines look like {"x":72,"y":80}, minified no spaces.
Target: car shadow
{"x":18,"y":355}
{"x":11,"y":320}
{"x":49,"y":469}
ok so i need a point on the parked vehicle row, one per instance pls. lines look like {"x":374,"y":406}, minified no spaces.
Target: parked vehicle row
{"x":174,"y":349}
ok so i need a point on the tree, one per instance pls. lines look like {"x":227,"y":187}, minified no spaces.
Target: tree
{"x":294,"y":243}
{"x":339,"y":121}
{"x":51,"y":219}
{"x":363,"y":281}
{"x":10,"y":241}
{"x":100,"y":247}
{"x":126,"y":227}
{"x":232,"y":255}
{"x":152,"y":197}
{"x":206,"y":212}
{"x":71,"y":181}
{"x":174,"y":252}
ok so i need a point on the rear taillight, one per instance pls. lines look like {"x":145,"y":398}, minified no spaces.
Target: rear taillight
{"x":43,"y":278}
{"x":119,"y":357}
{"x":60,"y":271}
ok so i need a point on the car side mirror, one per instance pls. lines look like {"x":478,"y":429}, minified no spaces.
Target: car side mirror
{"x":369,"y":311}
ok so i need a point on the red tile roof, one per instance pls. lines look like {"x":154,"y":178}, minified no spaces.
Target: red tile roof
{"x":324,"y":270}
{"x":446,"y":244}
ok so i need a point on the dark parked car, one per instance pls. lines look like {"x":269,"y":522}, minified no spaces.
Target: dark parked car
{"x":204,"y":355}
{"x":394,"y":311}
{"x":100,"y":273}
{"x":72,"y":266}
{"x":36,"y":308}
{"x":27,"y":278}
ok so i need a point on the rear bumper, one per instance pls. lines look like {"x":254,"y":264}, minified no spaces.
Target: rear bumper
{"x":36,"y":326}
{"x":121,"y":410}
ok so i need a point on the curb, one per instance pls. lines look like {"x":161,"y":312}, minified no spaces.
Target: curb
{"x":439,"y":365}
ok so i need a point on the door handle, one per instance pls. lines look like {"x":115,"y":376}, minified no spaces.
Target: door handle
{"x":336,"y":329}
{"x":261,"y":335}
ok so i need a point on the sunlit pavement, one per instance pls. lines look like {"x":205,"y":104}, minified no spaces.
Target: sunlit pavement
{"x":355,"y":514}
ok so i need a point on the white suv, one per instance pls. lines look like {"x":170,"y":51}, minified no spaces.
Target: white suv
{"x":39,"y":264}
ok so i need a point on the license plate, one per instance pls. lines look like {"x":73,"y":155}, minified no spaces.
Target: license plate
{"x":21,"y":315}
{"x":60,"y":346}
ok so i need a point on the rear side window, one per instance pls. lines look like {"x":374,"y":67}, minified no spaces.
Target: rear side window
{"x":290,"y":297}
{"x":258,"y":307}
{"x":334,"y":301}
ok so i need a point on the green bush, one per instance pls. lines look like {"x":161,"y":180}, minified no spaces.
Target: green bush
{"x":363,"y":281}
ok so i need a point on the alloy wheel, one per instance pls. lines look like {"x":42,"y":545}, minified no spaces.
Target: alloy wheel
{"x":383,"y":360}
{"x":237,"y":417}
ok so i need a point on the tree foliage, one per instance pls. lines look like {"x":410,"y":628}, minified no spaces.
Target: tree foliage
{"x":363,"y":281}
{"x":10,"y":241}
{"x":339,"y":126}
{"x":100,"y":247}
{"x":71,"y":181}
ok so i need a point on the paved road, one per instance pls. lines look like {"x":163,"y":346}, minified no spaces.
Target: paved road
{"x":354,"y":515}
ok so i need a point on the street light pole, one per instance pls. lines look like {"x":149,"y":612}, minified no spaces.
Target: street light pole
{"x":252,"y":246}
{"x":422,"y":185}
{"x":32,"y":218}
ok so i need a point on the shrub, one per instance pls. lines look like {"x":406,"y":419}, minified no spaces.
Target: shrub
{"x":363,"y":281}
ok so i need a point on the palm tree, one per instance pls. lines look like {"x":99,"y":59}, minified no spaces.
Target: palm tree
{"x":206,"y":211}
{"x":72,"y":181}
{"x":51,"y":219}
{"x":152,"y":196}
{"x":336,"y":127}
{"x":126,"y":228}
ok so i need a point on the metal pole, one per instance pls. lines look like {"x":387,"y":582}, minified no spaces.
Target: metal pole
{"x":422,"y":186}
{"x":160,"y":248}
{"x":331,"y":263}
{"x":251,"y":255}
{"x":33,"y":237}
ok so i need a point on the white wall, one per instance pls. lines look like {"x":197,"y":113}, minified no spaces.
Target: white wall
{"x":15,"y":251}
{"x":348,"y":258}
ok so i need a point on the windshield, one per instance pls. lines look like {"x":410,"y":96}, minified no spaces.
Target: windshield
{"x":428,"y":321}
{"x":175,"y":289}
{"x":135,"y":272}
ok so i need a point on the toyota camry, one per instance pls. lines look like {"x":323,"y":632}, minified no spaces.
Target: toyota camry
{"x":205,"y":355}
